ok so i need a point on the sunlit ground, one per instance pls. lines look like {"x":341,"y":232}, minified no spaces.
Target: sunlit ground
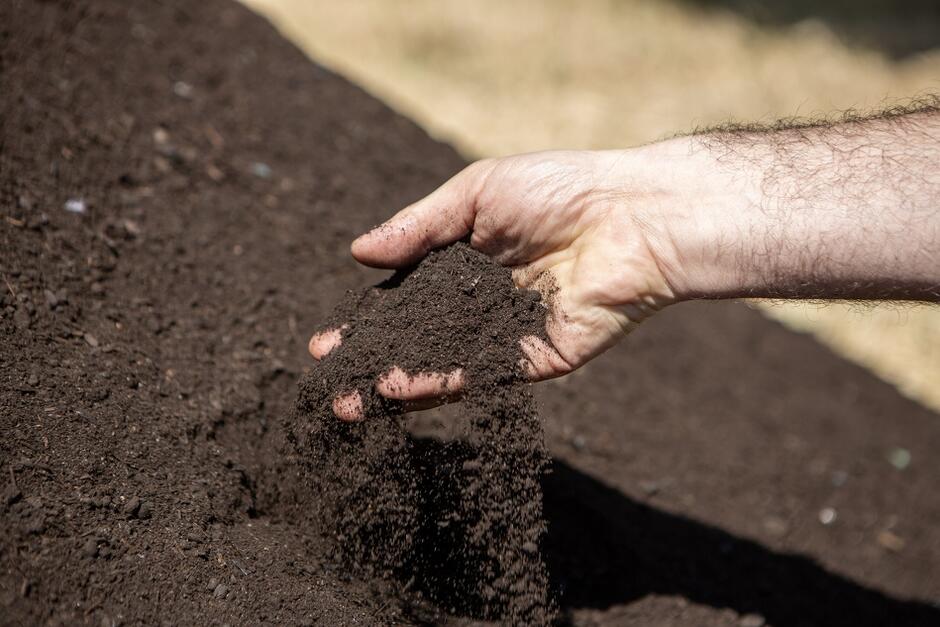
{"x":495,"y":77}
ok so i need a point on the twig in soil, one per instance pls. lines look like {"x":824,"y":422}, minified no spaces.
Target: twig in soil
{"x":236,"y":562}
{"x":128,"y":464}
{"x":16,"y":488}
{"x":9,"y":287}
{"x":238,"y":565}
{"x":292,"y":326}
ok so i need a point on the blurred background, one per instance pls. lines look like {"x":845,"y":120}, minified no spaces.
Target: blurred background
{"x":495,"y":77}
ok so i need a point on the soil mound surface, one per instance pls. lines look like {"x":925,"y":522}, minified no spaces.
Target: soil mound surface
{"x":178,"y":190}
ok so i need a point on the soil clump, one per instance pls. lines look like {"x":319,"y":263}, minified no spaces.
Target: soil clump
{"x":460,"y":520}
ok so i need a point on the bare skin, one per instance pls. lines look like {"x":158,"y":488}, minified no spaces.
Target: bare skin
{"x":840,"y":211}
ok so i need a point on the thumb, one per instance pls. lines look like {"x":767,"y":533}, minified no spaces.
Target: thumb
{"x":444,"y":216}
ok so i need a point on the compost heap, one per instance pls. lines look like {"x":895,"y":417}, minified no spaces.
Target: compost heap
{"x":150,"y":344}
{"x":460,"y":520}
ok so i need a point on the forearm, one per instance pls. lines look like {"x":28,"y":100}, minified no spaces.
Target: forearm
{"x":848,"y":211}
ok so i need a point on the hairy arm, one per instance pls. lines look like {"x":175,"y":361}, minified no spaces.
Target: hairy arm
{"x":847,"y":210}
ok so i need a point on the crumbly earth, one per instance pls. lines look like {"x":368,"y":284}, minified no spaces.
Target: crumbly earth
{"x":151,"y":345}
{"x":461,"y":520}
{"x":457,"y":309}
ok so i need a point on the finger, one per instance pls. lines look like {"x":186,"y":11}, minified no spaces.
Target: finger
{"x":323,"y":343}
{"x":441,"y":218}
{"x":541,"y":360}
{"x":348,"y":407}
{"x":398,"y":384}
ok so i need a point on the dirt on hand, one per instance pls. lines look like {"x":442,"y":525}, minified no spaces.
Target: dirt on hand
{"x":460,"y":521}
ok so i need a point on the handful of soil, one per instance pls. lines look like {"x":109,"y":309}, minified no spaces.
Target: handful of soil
{"x":460,"y":520}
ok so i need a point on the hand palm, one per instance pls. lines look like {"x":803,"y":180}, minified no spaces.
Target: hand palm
{"x":559,"y":222}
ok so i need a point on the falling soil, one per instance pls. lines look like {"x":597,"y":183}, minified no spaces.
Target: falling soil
{"x":460,"y":521}
{"x":178,"y":190}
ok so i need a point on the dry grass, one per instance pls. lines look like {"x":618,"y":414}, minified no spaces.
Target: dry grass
{"x":497,"y":77}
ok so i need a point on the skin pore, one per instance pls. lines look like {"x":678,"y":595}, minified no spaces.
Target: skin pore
{"x":821,"y":210}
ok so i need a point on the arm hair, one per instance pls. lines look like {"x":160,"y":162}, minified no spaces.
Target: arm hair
{"x":845,"y":207}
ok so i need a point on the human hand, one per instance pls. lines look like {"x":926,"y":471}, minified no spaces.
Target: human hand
{"x":568,"y":222}
{"x":815,"y":211}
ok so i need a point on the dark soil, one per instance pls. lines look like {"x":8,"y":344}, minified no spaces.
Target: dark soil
{"x":461,"y":521}
{"x":150,"y":347}
{"x":457,"y":309}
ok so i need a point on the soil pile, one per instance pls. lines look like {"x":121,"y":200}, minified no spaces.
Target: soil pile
{"x":178,"y":190}
{"x":461,"y":521}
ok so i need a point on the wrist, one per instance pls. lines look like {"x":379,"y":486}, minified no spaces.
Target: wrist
{"x":698,"y":215}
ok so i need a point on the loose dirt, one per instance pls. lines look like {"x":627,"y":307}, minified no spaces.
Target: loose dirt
{"x":460,"y":520}
{"x":178,"y":190}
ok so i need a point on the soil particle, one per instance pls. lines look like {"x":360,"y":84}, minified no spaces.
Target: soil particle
{"x":132,"y":507}
{"x":52,"y":301}
{"x":21,"y":318}
{"x":461,"y":519}
{"x":90,"y":548}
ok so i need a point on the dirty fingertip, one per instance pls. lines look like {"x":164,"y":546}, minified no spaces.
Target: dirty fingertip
{"x":362,"y":245}
{"x":388,"y":245}
{"x":398,"y":384}
{"x":348,"y":407}
{"x":323,"y":343}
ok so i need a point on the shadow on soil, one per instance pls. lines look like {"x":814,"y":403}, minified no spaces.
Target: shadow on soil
{"x":605,"y":549}
{"x":897,"y":27}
